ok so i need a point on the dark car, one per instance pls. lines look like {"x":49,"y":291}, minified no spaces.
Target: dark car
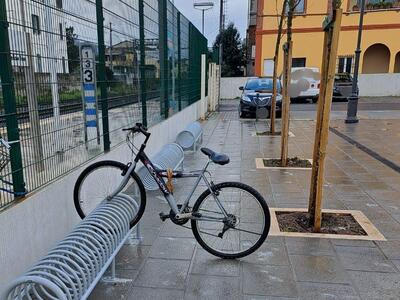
{"x":342,"y":87}
{"x":257,"y":93}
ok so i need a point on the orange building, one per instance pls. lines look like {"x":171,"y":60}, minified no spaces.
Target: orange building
{"x":380,"y":43}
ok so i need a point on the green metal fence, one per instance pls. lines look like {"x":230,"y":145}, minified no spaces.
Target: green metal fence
{"x":145,"y":67}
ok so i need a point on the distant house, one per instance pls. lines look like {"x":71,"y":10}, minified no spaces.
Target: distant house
{"x":123,"y":59}
{"x":43,"y":27}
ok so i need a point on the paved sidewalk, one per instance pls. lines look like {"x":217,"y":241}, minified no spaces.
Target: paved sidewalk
{"x":170,"y":265}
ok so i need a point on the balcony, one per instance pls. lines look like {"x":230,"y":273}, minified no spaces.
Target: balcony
{"x":354,"y":5}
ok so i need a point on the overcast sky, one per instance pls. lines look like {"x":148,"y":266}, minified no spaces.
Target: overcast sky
{"x":236,"y":12}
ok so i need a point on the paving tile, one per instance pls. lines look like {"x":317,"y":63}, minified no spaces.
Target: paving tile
{"x":309,"y":246}
{"x":163,"y":274}
{"x":153,"y":293}
{"x":268,"y":280}
{"x":206,"y":264}
{"x":353,"y":243}
{"x":131,"y":257}
{"x":172,"y":230}
{"x":269,"y":254}
{"x":118,"y":290}
{"x":323,"y":269}
{"x":212,"y":287}
{"x":255,"y":297}
{"x":373,"y":285}
{"x":391,"y":249}
{"x":364,"y":259}
{"x":320,"y":291}
{"x":172,"y":248}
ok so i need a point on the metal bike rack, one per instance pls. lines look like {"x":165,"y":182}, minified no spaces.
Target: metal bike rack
{"x":190,"y":137}
{"x":71,"y":270}
{"x":171,"y":156}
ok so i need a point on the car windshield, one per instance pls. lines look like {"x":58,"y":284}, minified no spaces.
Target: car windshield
{"x":264,"y":84}
{"x":343,"y":77}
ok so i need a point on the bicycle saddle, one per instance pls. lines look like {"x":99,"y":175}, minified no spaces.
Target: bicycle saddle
{"x":218,"y":158}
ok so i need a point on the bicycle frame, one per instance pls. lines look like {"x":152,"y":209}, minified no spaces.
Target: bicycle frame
{"x":158,"y":177}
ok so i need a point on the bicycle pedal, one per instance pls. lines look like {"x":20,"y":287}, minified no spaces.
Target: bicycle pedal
{"x":163,"y":216}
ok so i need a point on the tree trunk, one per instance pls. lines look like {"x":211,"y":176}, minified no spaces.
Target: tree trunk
{"x":275,"y":73}
{"x":286,"y":84}
{"x":322,"y":126}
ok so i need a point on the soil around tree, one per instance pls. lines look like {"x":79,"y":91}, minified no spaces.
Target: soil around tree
{"x":294,"y":162}
{"x":268,"y":133}
{"x":332,"y":223}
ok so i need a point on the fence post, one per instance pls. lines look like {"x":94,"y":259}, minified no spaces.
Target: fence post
{"x":163,"y":49}
{"x":143,"y":84}
{"x":204,"y":104}
{"x":10,"y":107}
{"x":102,"y":74}
{"x":179,"y":62}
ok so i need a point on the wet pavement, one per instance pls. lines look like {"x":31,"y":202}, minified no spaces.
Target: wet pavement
{"x":169,"y":264}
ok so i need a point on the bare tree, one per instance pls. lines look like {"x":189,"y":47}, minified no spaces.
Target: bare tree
{"x":276,"y":61}
{"x":290,"y":9}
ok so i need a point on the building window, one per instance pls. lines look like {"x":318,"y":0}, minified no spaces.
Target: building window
{"x":345,"y":64}
{"x":61,"y":31}
{"x":39,"y":63}
{"x":300,"y":7}
{"x":59,"y":4}
{"x":35,"y":24}
{"x":299,"y":62}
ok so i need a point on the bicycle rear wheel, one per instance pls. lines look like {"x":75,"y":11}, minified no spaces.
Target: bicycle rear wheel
{"x":99,"y":180}
{"x":242,"y":231}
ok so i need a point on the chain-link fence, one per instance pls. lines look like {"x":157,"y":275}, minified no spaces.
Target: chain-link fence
{"x":70,"y":83}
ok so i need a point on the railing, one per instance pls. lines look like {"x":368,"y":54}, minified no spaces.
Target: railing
{"x":145,"y":67}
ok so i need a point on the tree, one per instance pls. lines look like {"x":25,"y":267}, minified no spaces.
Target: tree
{"x":289,"y":7}
{"x":72,"y":49}
{"x":275,"y":72}
{"x":232,"y":51}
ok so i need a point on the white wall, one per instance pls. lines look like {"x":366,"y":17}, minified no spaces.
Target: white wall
{"x":29,"y":229}
{"x":373,"y":85}
{"x":230,"y":87}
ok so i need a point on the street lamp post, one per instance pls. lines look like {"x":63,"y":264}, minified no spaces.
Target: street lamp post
{"x":353,"y":99}
{"x":203,"y":6}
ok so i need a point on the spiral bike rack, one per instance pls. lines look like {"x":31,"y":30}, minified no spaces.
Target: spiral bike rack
{"x":71,"y":270}
{"x":191,"y":137}
{"x":171,"y":156}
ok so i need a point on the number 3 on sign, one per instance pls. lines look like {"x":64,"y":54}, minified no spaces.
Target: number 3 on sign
{"x":88,"y":76}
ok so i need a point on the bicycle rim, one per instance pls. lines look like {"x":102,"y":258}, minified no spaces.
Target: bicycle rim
{"x":249,"y":221}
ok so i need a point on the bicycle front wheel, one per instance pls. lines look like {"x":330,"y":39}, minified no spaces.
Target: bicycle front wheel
{"x":99,"y":180}
{"x":232,"y":222}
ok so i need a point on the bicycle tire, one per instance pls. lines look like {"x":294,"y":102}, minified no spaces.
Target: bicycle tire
{"x":260,"y":200}
{"x":113,"y":164}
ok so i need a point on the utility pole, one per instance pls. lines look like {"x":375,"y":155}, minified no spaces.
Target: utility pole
{"x":221,"y":29}
{"x":52,"y":69}
{"x":352,"y":105}
{"x":31,"y":95}
{"x":111,"y":50}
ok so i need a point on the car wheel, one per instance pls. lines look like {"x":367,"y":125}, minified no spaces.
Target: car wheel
{"x":314,"y":100}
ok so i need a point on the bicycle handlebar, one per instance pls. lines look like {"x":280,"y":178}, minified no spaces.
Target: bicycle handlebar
{"x":139,"y":127}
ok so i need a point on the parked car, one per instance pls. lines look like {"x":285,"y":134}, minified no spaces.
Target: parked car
{"x":257,"y":93}
{"x":304,"y":84}
{"x":342,"y":88}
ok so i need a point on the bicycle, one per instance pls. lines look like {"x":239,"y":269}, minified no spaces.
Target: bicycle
{"x":229,"y":219}
{"x":4,"y":160}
